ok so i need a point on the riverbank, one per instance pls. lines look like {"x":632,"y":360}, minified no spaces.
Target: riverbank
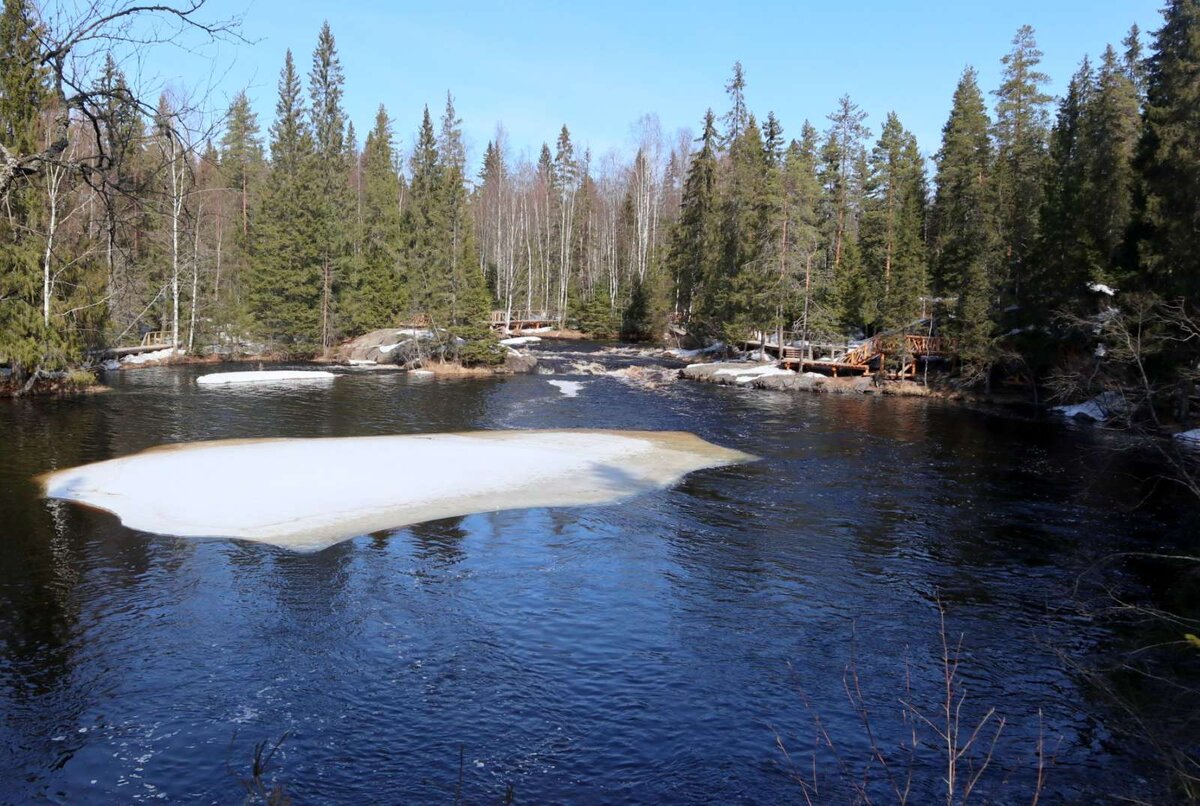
{"x":53,"y":384}
{"x":768,"y":376}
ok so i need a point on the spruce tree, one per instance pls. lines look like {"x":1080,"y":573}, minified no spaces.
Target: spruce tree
{"x":1168,"y":157}
{"x":964,"y":233}
{"x":811,"y":307}
{"x":1020,"y":133}
{"x":242,"y":171}
{"x":372,"y":295}
{"x":23,"y":93}
{"x":747,"y":271}
{"x":469,"y":319}
{"x":427,"y":260}
{"x":693,"y":250}
{"x":892,"y":228}
{"x":737,"y":118}
{"x":1067,"y":255}
{"x":1135,"y":65}
{"x":1112,"y":125}
{"x":843,"y":158}
{"x":333,"y":216}
{"x":285,"y":287}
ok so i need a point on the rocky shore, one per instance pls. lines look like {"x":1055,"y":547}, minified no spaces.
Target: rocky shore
{"x":769,"y":376}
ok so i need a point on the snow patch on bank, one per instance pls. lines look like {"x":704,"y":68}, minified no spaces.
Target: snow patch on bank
{"x":264,"y":376}
{"x":1099,"y":409}
{"x":307,"y":494}
{"x":676,"y":352}
{"x":751,"y":372}
{"x":151,"y":357}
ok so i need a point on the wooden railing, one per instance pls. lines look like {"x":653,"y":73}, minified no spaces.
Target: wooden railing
{"x":157,"y":338}
{"x":929,"y":345}
{"x":499,"y":317}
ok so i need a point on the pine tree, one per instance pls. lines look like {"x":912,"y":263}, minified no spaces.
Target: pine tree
{"x":1168,"y":157}
{"x":892,"y":227}
{"x":964,"y":237}
{"x":285,"y":289}
{"x":1020,"y":133}
{"x":24,"y":340}
{"x":693,"y":251}
{"x":242,"y":155}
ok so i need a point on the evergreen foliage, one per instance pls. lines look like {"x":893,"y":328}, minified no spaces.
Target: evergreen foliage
{"x":373,"y":295}
{"x":828,"y":236}
{"x":892,"y":227}
{"x":285,"y":287}
{"x":965,"y":233}
{"x":1168,"y":157}
{"x":1020,"y":133}
{"x":23,"y":91}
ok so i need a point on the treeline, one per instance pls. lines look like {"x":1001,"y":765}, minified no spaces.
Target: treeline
{"x":297,"y":238}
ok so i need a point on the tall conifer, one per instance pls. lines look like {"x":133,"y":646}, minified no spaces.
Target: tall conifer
{"x":964,"y":254}
{"x":1169,"y":156}
{"x":285,"y":289}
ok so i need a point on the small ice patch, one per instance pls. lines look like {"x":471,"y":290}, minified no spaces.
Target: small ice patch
{"x":517,"y":341}
{"x":568,"y":388}
{"x":264,"y":376}
{"x":1101,"y":288}
{"x":1189,"y":438}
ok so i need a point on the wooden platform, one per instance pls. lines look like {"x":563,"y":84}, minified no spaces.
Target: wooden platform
{"x":512,"y":321}
{"x":868,"y":357}
{"x":152,"y":341}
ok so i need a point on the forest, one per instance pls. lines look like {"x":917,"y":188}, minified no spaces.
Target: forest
{"x":1054,"y":240}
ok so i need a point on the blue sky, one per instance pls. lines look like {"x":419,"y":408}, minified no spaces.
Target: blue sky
{"x":598,"y":67}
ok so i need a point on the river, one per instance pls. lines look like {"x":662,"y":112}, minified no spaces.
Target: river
{"x":659,"y":650}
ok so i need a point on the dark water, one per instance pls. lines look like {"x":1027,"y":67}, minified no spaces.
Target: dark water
{"x":645,"y":652}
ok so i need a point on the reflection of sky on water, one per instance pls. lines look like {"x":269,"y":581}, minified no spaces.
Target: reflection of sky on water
{"x":646,"y":651}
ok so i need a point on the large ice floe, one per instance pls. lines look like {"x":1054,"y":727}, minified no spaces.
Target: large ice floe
{"x":307,"y":494}
{"x":264,"y":376}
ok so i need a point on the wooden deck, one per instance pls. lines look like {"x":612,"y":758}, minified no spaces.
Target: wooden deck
{"x":867,"y":357}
